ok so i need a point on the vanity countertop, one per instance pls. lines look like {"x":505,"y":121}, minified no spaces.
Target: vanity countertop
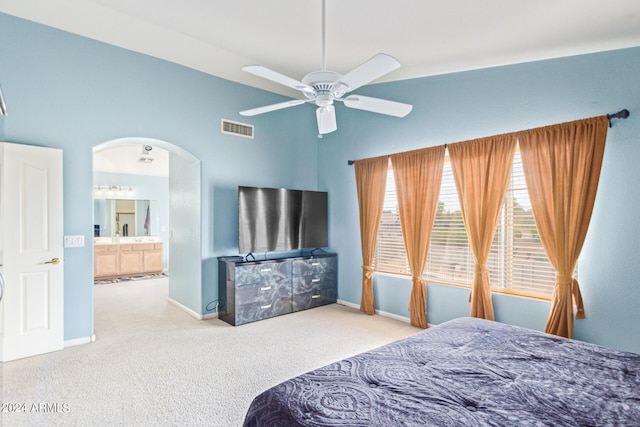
{"x":127,"y":240}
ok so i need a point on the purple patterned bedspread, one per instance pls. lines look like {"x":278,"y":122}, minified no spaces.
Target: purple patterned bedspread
{"x":466,"y":372}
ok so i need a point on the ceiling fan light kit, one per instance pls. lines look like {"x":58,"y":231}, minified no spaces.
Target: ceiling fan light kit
{"x":324,"y":87}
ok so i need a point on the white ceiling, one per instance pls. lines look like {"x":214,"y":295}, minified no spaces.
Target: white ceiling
{"x":125,"y":159}
{"x":427,"y":37}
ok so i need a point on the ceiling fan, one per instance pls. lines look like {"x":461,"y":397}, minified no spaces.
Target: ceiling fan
{"x":324,"y":87}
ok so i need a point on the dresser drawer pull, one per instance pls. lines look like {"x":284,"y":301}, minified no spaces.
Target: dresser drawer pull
{"x":315,"y":280}
{"x":264,"y":307}
{"x":315,"y":296}
{"x":265,"y":288}
{"x":265,"y":270}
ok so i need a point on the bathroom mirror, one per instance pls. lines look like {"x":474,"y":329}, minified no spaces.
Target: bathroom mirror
{"x":122,"y":218}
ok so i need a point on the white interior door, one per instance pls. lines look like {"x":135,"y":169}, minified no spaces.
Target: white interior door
{"x":31,"y":250}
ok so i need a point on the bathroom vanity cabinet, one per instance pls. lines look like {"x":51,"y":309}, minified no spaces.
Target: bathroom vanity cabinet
{"x":127,"y":259}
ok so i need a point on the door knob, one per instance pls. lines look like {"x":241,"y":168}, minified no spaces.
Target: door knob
{"x":53,"y":261}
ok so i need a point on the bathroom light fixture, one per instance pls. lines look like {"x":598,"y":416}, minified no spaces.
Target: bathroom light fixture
{"x":111,"y":190}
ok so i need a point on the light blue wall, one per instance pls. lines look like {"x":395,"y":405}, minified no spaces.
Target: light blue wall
{"x":186,"y":237}
{"x":461,"y":106}
{"x":72,"y":93}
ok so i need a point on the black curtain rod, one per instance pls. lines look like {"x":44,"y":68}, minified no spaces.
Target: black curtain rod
{"x":622,"y":114}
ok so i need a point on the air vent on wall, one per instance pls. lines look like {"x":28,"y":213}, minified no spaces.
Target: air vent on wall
{"x":236,"y":128}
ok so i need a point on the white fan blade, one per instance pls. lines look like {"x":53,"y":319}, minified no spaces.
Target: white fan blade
{"x":378,"y":105}
{"x":370,"y":70}
{"x":326,"y":119}
{"x":272,"y":107}
{"x":269,"y":74}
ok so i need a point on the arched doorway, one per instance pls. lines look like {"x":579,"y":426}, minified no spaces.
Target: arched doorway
{"x":183,"y":233}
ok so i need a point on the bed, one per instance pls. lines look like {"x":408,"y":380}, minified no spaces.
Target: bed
{"x":465,"y":372}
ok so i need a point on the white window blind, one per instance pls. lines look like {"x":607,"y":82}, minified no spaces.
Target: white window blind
{"x":517,"y":262}
{"x":390,"y":256}
{"x":450,"y":259}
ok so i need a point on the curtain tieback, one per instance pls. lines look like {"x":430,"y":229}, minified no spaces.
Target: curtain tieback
{"x":566,"y":280}
{"x":368,"y":271}
{"x":482,"y":271}
{"x":574,"y":288}
{"x":417,"y":280}
{"x":577,"y":298}
{"x":480,"y":268}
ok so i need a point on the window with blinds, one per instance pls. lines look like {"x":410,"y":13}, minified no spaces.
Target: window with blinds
{"x":517,"y":262}
{"x":391,"y":256}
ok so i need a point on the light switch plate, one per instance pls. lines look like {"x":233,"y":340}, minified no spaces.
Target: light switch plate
{"x":73,"y":241}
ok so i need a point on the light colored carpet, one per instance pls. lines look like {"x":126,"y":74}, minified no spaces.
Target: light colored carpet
{"x":154,"y":365}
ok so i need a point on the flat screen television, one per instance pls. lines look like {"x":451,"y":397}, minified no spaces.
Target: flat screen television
{"x":278,"y":219}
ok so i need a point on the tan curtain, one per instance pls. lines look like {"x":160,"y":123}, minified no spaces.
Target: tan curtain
{"x":562,"y":167}
{"x":418,"y":175}
{"x":371,"y":182}
{"x":481,"y":169}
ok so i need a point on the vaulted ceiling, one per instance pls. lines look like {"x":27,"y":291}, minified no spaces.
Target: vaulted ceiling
{"x":428,"y":37}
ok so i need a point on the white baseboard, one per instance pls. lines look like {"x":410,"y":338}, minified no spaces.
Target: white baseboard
{"x":79,"y":341}
{"x":380,"y":312}
{"x":348,"y":304}
{"x":394,"y":316}
{"x":210,"y":316}
{"x":193,"y":313}
{"x":185,"y":308}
